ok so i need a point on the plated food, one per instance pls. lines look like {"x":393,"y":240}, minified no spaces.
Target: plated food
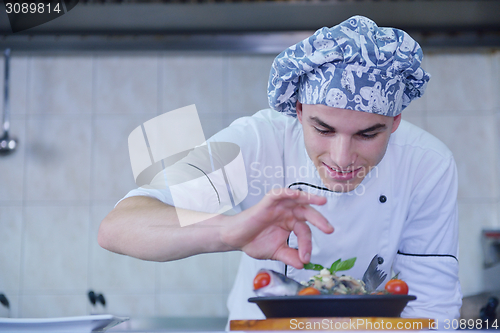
{"x":326,"y":282}
{"x":331,"y":284}
{"x":327,"y":294}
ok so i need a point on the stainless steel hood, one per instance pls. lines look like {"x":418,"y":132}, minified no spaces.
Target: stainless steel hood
{"x":251,"y":25}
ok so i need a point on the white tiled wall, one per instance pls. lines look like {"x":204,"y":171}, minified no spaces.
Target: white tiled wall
{"x":126,"y":85}
{"x":463,"y":107}
{"x":72,"y":116}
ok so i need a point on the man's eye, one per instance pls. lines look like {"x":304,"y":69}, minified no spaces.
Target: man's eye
{"x":322,"y":132}
{"x":368,"y":136}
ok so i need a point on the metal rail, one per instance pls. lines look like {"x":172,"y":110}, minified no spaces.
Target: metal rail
{"x":263,"y":26}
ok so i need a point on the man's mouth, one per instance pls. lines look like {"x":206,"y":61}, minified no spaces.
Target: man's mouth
{"x":339,"y":174}
{"x":345,"y":171}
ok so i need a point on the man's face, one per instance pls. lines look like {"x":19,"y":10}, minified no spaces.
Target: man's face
{"x":344,"y":145}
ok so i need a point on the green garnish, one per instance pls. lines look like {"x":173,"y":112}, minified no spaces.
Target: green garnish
{"x":340,"y":265}
{"x":337,"y":266}
{"x":314,"y":267}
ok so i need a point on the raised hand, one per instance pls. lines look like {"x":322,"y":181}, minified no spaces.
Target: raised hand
{"x":262,"y":230}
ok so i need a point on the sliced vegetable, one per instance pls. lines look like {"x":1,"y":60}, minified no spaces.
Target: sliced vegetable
{"x":261,"y":280}
{"x":309,"y":291}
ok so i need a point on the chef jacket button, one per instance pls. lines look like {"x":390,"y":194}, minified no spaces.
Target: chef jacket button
{"x":382,"y":198}
{"x":380,"y":260}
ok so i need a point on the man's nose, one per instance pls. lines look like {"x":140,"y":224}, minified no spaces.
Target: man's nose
{"x":341,"y":152}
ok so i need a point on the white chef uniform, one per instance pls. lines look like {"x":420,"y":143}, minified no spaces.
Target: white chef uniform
{"x":404,"y":211}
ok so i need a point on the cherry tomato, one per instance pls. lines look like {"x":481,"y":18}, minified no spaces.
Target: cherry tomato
{"x":309,"y":291}
{"x":396,"y":287}
{"x":261,"y":280}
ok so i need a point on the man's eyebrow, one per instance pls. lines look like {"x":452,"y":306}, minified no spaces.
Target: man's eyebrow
{"x":322,"y":123}
{"x":366,"y":130}
{"x":372,"y":128}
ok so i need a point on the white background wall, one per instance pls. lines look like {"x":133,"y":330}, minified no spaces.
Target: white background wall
{"x":72,"y":115}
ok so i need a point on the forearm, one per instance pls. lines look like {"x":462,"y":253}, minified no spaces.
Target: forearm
{"x":145,"y":228}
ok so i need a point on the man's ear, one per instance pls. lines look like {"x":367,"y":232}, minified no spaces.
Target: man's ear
{"x":298,"y":108}
{"x":396,"y":122}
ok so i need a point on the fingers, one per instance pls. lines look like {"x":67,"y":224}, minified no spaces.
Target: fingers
{"x":298,"y":197}
{"x":268,"y":223}
{"x":299,"y":202}
{"x":308,"y":213}
{"x":289,"y":256}
{"x":303,"y":233}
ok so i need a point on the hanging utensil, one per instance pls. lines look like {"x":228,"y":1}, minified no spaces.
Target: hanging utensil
{"x":7,"y":144}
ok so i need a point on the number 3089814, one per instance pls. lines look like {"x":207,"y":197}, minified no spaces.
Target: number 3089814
{"x":470,"y":324}
{"x":31,"y":8}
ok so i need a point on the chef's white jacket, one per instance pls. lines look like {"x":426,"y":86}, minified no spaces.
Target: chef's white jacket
{"x":404,"y":210}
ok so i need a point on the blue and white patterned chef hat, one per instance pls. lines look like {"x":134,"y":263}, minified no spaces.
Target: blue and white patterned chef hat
{"x":354,"y":65}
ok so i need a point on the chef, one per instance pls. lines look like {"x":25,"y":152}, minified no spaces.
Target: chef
{"x":332,"y":172}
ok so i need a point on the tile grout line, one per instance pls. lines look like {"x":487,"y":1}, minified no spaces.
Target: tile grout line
{"x":225,"y":84}
{"x":495,"y":59}
{"x":23,"y":203}
{"x":160,"y":83}
{"x":91,"y":176}
{"x":49,"y":202}
{"x":20,"y":291}
{"x":476,"y":200}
